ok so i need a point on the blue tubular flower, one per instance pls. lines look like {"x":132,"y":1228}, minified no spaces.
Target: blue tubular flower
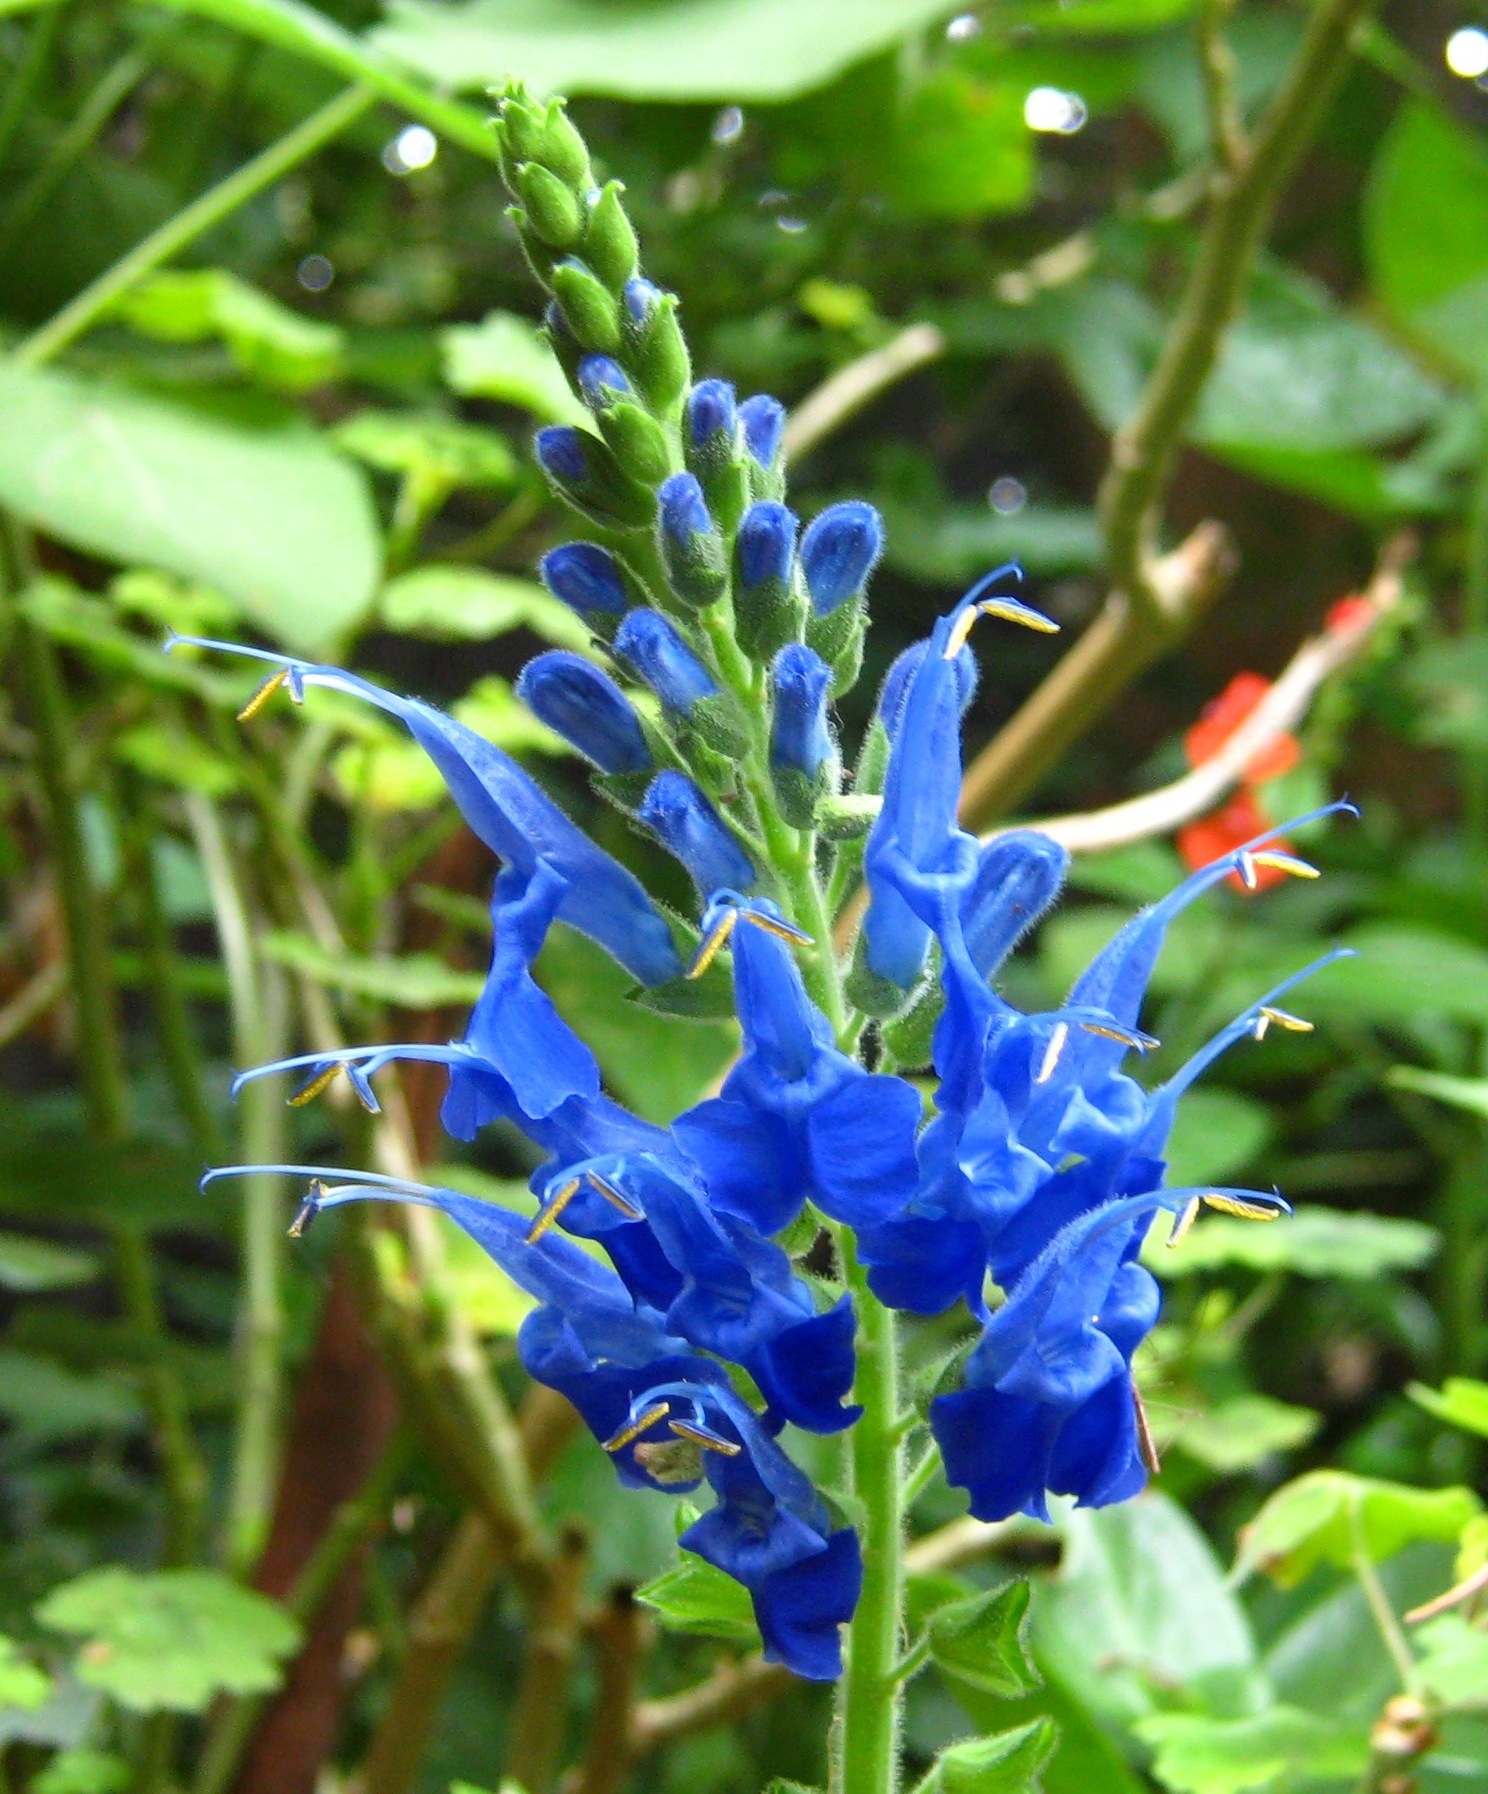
{"x":510,"y":812}
{"x":710,"y":412}
{"x":800,"y":739}
{"x":586,"y":707}
{"x":602,"y":380}
{"x":796,"y":1118}
{"x":683,"y":820}
{"x":587,"y":578}
{"x":838,"y":552}
{"x":766,"y":546}
{"x":655,"y":650}
{"x":771,"y":1531}
{"x":896,"y":683}
{"x":1048,"y":1404}
{"x":519,"y":1058}
{"x":763,"y":419}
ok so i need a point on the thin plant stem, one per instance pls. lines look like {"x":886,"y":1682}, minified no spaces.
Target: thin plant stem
{"x":923,"y":1474}
{"x":865,"y":1757}
{"x":29,"y":75}
{"x":1383,"y":1613}
{"x":1474,"y":761}
{"x":219,"y":202}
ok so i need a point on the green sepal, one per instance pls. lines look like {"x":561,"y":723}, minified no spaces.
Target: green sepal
{"x":716,"y":771}
{"x":608,"y":496}
{"x":1005,"y":1763}
{"x":554,"y":212}
{"x":639,"y":442}
{"x":838,"y":638}
{"x":909,"y":1037}
{"x":873,"y":760}
{"x":589,"y":308}
{"x":980,"y":1641}
{"x":719,"y":466}
{"x":766,"y":482}
{"x":872,"y":994}
{"x":765,"y":619}
{"x":799,"y":1236}
{"x":719,"y":725}
{"x":799,"y":797}
{"x":847,"y":815}
{"x":562,"y":149}
{"x":540,"y":258}
{"x":697,"y":571}
{"x":610,"y":246}
{"x":656,"y":355}
{"x":623,"y":789}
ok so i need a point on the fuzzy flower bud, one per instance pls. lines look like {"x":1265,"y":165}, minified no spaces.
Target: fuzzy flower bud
{"x":586,"y":577}
{"x":802,"y":752}
{"x":683,"y":820}
{"x":586,"y":707}
{"x":653,"y":647}
{"x":690,"y":543}
{"x":839,"y":551}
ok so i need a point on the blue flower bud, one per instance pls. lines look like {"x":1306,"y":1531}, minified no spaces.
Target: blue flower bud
{"x":640,"y":296}
{"x":683,"y":510}
{"x":683,"y":820}
{"x":763,"y":419}
{"x":800,"y":739}
{"x":654,"y":648}
{"x":691,"y":546}
{"x":896,"y":684}
{"x":839,"y":551}
{"x":585,"y":473}
{"x":586,"y":707}
{"x":766,"y":544}
{"x":602,"y":379}
{"x":586,"y":577}
{"x":560,"y":449}
{"x":710,"y":412}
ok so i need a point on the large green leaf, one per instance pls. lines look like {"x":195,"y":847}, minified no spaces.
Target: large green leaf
{"x":173,"y":1639}
{"x":947,"y":544}
{"x":46,"y":1402}
{"x":468,"y":604}
{"x":507,"y":357}
{"x":1314,"y":1242}
{"x":21,"y":1683}
{"x":1454,"y":1662}
{"x":961,"y":148}
{"x":1238,"y":1434}
{"x":415,"y":981}
{"x":236,"y":493}
{"x":29,"y":1265}
{"x":1426,"y":231}
{"x":1200,"y":1755}
{"x":1327,"y":1516}
{"x":648,"y":49}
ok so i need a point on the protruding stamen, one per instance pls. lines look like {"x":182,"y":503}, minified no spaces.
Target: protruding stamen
{"x":263,"y":694}
{"x":1293,"y":1024}
{"x":1009,"y":610}
{"x":611,"y":1195}
{"x":308,"y":1091}
{"x":1144,"y":1432}
{"x":1052,"y":1053}
{"x":1184,"y":1219}
{"x":548,"y":1215}
{"x":1224,"y":1203}
{"x":638,"y":1426}
{"x":786,"y":931}
{"x":714,"y":943}
{"x":697,"y":1434}
{"x":307,"y":1210}
{"x":1284,"y":862}
{"x":1131,"y":1037}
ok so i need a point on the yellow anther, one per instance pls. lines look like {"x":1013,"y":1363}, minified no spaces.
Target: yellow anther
{"x":612,"y":1195}
{"x":1238,"y":1206}
{"x":1286,"y":862}
{"x":714,"y":943}
{"x":320,"y":1082}
{"x":709,"y":1441}
{"x":785,"y":931}
{"x":1052,"y":1052}
{"x":1184,"y":1219}
{"x":1294,"y":1024}
{"x":637,"y":1427}
{"x":1142,"y":1043}
{"x":1144,"y":1433}
{"x":547,"y":1216}
{"x":263,"y":694}
{"x":306,"y":1212}
{"x":1008,"y":609}
{"x":1070,"y":1161}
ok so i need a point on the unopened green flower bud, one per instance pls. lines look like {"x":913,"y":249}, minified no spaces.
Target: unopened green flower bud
{"x":589,"y":308}
{"x":610,"y":246}
{"x":562,"y":149}
{"x":553,"y":211}
{"x":655,"y":349}
{"x":639,"y":442}
{"x":846,"y":816}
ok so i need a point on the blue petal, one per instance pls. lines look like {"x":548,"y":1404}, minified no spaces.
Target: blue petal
{"x":799,"y":1609}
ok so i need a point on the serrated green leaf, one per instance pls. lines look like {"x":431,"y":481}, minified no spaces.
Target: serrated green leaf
{"x":22,"y":1684}
{"x":170,"y":1640}
{"x":455,"y":604}
{"x":981,"y":1640}
{"x":1324,"y":1516}
{"x":1461,"y":1401}
{"x":507,"y":357}
{"x":29,"y":1265}
{"x":1313,"y":1242}
{"x":1240,"y":1433}
{"x":229,"y":490}
{"x":696,"y":1597}
{"x":1197,"y":1754}
{"x":1006,"y":1763}
{"x":269,"y":342}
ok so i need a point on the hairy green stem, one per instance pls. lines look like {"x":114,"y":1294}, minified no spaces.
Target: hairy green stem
{"x":87,"y":307}
{"x":865,"y":1758}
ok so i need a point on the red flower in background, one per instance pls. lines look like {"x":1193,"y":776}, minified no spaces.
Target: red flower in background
{"x":1237,"y":821}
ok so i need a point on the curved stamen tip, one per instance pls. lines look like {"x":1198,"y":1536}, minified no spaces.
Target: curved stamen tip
{"x":1247,"y":1205}
{"x":697,"y":1434}
{"x":713,"y":942}
{"x":1009,"y":610}
{"x":638,"y":1426}
{"x":310,"y":1089}
{"x":778,"y":926}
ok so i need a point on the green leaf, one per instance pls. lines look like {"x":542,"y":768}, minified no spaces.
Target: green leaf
{"x":1454,"y":1660}
{"x":1461,"y":1093}
{"x":1138,"y":1610}
{"x":22,"y":1685}
{"x":268,"y":341}
{"x":88,"y":625}
{"x":172,"y":1639}
{"x":467,"y":604}
{"x":960,"y":148}
{"x":1200,"y":1755}
{"x":238,"y":494}
{"x":1323,"y":1516}
{"x":781,"y":1786}
{"x":455,"y":454}
{"x":980,"y":1640}
{"x":1401,"y":974}
{"x":1216,"y":1133}
{"x":416,"y":981}
{"x":699,"y":50}
{"x":29,"y":1265}
{"x":507,"y":357}
{"x":1314,"y":1242}
{"x":1240,"y":1433}
{"x":83,"y":1771}
{"x":1006,"y":1763}
{"x":173,"y":755}
{"x":1461,"y":1401}
{"x":696,"y":1597}
{"x":1426,"y":232}
{"x":45,"y":1402}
